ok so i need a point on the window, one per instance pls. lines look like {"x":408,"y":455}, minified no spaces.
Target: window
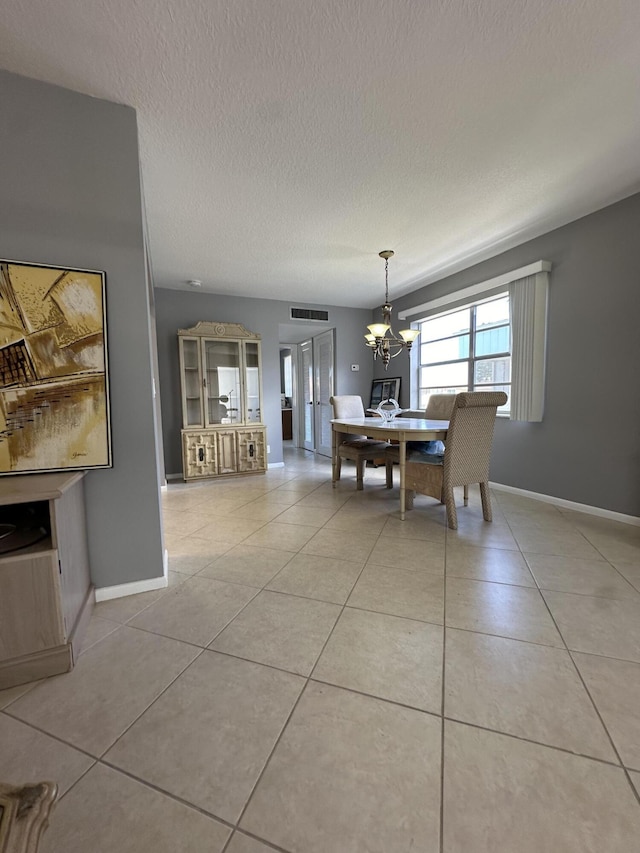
{"x":287,"y":371}
{"x":466,"y":350}
{"x":462,"y":330}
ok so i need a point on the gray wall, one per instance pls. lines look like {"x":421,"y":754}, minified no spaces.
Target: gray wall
{"x":587,"y":448}
{"x":180,"y":310}
{"x":71,"y":196}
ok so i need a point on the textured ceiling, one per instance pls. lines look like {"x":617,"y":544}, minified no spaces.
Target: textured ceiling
{"x":284,"y":143}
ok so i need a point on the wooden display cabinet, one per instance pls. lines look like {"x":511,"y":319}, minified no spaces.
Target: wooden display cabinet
{"x":46,"y":596}
{"x":221,"y":384}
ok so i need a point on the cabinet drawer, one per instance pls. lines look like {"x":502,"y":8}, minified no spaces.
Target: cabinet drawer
{"x":31,"y":617}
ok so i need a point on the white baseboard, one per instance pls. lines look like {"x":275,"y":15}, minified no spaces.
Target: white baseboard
{"x":561,"y":502}
{"x":275,"y":465}
{"x":106,"y":593}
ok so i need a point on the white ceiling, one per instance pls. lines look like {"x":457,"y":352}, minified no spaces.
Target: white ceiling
{"x":284,"y":143}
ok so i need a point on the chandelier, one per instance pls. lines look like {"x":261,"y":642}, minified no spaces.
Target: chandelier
{"x":381,"y":338}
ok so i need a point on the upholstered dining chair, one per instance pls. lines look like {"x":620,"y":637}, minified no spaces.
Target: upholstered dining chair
{"x":439,"y":408}
{"x":466,"y":457}
{"x":358,"y":448}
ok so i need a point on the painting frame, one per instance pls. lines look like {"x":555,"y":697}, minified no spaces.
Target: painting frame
{"x":384,"y":389}
{"x":55,"y":412}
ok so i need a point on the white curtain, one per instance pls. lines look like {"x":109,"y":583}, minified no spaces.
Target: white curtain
{"x":528,"y":299}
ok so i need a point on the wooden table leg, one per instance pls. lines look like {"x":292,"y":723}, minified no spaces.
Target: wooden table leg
{"x":403,"y":460}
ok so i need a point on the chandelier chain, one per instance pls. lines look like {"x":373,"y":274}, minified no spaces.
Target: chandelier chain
{"x":386,"y":281}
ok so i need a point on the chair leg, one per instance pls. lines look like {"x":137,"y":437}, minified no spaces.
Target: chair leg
{"x":466,"y":495}
{"x":359,"y":474}
{"x":389,"y":465}
{"x":485,"y":496}
{"x":452,"y":513}
{"x":338,"y":467}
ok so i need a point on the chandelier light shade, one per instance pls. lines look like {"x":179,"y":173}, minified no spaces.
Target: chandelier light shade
{"x":381,"y":338}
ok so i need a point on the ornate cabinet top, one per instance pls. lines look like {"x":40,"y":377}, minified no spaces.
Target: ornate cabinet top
{"x":211,"y":329}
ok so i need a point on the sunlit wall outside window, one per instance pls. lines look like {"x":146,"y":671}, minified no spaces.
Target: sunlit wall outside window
{"x":466,"y":350}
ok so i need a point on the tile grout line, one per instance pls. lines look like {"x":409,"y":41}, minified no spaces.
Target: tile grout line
{"x":604,"y":561}
{"x":442,"y":703}
{"x":61,"y":797}
{"x":588,"y":692}
{"x":309,"y":678}
{"x":55,"y":737}
{"x":240,"y":832}
{"x":104,"y":762}
{"x":554,"y":747}
{"x":605,"y":727}
{"x":162,"y":692}
{"x":100,"y":758}
{"x":302,"y":692}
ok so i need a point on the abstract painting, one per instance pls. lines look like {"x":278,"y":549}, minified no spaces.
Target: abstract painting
{"x":54,"y":394}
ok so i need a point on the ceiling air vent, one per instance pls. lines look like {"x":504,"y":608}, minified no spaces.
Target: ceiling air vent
{"x":315,"y":315}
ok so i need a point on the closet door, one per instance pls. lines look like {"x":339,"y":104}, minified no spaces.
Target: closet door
{"x":323,"y":361}
{"x":306,"y":396}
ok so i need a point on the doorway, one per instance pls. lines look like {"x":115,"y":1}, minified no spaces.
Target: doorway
{"x":312,"y":384}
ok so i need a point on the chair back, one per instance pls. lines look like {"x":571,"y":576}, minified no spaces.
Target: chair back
{"x":439,"y":407}
{"x":469,"y":437}
{"x":347,"y":406}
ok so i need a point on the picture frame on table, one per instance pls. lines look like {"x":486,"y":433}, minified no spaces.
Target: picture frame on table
{"x":384,"y":389}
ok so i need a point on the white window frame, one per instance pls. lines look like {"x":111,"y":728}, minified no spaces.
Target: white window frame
{"x":528,"y":292}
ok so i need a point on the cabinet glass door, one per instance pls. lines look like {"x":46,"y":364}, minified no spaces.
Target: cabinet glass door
{"x":192,"y":400}
{"x":223,"y":397}
{"x":252,"y":382}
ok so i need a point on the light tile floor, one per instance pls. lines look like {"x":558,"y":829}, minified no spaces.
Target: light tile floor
{"x":320,"y":677}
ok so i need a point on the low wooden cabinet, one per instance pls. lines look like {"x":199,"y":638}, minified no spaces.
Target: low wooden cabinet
{"x":221,"y":384}
{"x":287,"y":424}
{"x":46,"y":596}
{"x":214,"y":453}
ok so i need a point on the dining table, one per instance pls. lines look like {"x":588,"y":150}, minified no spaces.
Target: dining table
{"x":401,"y":430}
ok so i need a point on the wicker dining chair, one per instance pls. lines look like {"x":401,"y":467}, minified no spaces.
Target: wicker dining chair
{"x":358,"y":448}
{"x":466,"y":457}
{"x":439,"y":408}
